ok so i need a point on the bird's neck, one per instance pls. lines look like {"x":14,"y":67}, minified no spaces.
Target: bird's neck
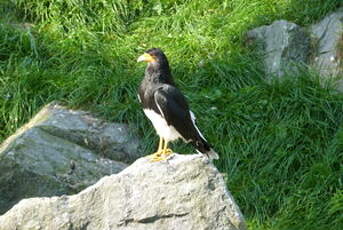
{"x":159,"y":73}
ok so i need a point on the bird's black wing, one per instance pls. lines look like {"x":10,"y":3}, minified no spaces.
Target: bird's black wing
{"x":174,"y":108}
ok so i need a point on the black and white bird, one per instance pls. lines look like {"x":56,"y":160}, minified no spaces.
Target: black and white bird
{"x":167,"y":108}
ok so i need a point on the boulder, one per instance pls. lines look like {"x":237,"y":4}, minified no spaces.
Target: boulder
{"x":110,"y":140}
{"x":61,"y":151}
{"x":284,"y":45}
{"x":184,"y":192}
{"x":327,"y":37}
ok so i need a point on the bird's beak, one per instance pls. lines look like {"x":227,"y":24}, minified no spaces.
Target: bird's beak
{"x":146,"y":57}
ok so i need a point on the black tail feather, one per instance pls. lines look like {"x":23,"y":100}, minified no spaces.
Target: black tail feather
{"x":205,"y":148}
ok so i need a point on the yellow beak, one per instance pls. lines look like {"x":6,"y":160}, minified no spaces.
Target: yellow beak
{"x":146,"y":57}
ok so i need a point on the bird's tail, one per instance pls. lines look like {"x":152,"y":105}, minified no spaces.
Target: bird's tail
{"x":212,"y":154}
{"x":205,"y":148}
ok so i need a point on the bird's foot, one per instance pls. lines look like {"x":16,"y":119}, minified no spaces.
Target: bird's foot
{"x":167,"y":152}
{"x":157,"y":156}
{"x":160,"y":155}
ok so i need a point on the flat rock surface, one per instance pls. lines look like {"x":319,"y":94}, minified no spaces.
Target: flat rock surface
{"x":185,"y":192}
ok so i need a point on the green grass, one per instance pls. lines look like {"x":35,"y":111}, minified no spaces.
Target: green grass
{"x":281,"y":143}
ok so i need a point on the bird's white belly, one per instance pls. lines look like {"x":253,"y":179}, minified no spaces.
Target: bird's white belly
{"x":165,"y":131}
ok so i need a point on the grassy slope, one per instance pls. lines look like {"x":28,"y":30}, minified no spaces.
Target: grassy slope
{"x":281,"y":143}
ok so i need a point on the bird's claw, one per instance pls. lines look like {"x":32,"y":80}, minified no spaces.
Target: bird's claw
{"x":167,"y":152}
{"x":157,"y":156}
{"x":160,"y":155}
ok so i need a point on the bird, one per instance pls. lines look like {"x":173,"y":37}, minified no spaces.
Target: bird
{"x":167,"y":108}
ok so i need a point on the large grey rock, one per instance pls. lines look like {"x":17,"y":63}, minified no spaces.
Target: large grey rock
{"x":284,"y":46}
{"x":60,"y":151}
{"x":111,"y":140}
{"x":185,"y":192}
{"x":327,"y":37}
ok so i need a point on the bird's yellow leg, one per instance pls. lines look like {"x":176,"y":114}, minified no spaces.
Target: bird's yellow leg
{"x":166,"y":151}
{"x":157,"y":156}
{"x":160,"y":145}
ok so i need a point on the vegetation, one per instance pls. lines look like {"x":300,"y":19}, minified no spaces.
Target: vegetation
{"x":281,"y":143}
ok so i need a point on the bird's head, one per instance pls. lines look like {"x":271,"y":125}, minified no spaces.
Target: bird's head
{"x":158,"y":66}
{"x":153,"y":56}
